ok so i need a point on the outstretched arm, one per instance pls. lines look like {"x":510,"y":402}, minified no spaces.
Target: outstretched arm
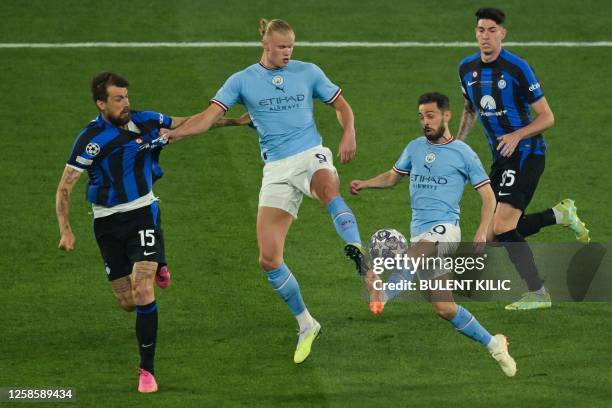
{"x":384,"y":180}
{"x":243,"y":120}
{"x":196,"y":124}
{"x":62,"y":207}
{"x":468,"y":117}
{"x":348,"y":144}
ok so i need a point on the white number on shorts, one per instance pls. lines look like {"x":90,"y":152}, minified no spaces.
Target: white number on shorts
{"x":507,"y":178}
{"x":147,"y":237}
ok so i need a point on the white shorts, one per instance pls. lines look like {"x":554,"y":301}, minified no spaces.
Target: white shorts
{"x":286,"y":181}
{"x":447,"y":237}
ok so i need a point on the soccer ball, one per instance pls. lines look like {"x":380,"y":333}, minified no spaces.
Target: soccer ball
{"x":387,"y":243}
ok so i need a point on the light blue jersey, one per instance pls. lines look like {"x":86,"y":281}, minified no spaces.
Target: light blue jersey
{"x":438,"y":174}
{"x":281,"y":105}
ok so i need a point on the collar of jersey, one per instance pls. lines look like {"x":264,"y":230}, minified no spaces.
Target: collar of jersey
{"x":271,"y":69}
{"x":488,"y":64}
{"x":101,"y":120}
{"x":439,"y":144}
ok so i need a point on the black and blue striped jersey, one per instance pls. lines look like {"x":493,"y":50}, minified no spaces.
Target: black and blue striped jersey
{"x":501,"y":93}
{"x":122,"y":164}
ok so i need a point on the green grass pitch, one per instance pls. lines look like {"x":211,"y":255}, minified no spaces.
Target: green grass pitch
{"x":224,"y":338}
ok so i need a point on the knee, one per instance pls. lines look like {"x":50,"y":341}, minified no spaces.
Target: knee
{"x":127,"y":303}
{"x":269,"y":262}
{"x":501,"y":226}
{"x":445,"y":310}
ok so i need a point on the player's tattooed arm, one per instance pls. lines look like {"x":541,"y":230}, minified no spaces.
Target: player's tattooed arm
{"x":384,"y":180}
{"x":243,"y":120}
{"x":468,"y":117}
{"x":62,"y":207}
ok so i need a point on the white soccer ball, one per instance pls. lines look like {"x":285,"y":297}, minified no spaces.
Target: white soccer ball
{"x":387,"y":243}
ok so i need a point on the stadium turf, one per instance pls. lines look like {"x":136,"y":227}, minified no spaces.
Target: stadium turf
{"x":224,"y":338}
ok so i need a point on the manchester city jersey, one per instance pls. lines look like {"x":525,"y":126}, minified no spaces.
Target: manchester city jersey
{"x":281,"y":105}
{"x":501,"y":93}
{"x":438,"y":174}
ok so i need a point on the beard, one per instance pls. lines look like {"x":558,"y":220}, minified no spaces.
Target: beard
{"x":121,"y":120}
{"x":435,"y":135}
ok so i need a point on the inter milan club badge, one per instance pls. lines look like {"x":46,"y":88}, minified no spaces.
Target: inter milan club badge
{"x":277,"y":80}
{"x":501,"y":84}
{"x":474,"y":74}
{"x":430,"y":158}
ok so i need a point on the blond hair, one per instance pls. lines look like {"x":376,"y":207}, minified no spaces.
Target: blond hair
{"x":276,"y":25}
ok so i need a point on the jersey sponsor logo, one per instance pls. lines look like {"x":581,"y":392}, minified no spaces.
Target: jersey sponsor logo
{"x":488,"y":103}
{"x":501,"y":84}
{"x":83,"y":161}
{"x":430,"y":157}
{"x":428,"y":182}
{"x":92,"y":149}
{"x":533,"y":87}
{"x":282,"y":102}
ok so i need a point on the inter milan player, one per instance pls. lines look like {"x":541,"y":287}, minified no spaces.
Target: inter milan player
{"x":120,"y":151}
{"x":279,"y":95}
{"x":439,"y":167}
{"x":500,"y":88}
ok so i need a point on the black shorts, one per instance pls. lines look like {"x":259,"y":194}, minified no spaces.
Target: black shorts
{"x":128,"y":237}
{"x":514,"y":180}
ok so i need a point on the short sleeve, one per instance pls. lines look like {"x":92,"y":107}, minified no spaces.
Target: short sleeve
{"x":84,"y":151}
{"x":404,"y":164}
{"x":476,"y":173}
{"x":161,"y":120}
{"x":529,"y":85}
{"x":229,"y":94}
{"x":324,"y":89}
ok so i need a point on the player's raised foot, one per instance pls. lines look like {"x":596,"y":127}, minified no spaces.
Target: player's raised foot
{"x":359,"y":255}
{"x":162,"y":276}
{"x":305,"y":340}
{"x":146,"y":382}
{"x":501,"y":355}
{"x":570,"y":219}
{"x":531,"y":300}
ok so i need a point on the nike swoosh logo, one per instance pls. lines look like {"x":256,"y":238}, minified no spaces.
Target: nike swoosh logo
{"x":146,"y":345}
{"x":503,"y":194}
{"x":149,"y":253}
{"x":472,"y":83}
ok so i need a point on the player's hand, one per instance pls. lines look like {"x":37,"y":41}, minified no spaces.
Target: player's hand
{"x":507,"y":144}
{"x":66,"y":241}
{"x":347,"y":148}
{"x":169,"y":135}
{"x":480,"y":240}
{"x":356,"y":186}
{"x":244,"y":119}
